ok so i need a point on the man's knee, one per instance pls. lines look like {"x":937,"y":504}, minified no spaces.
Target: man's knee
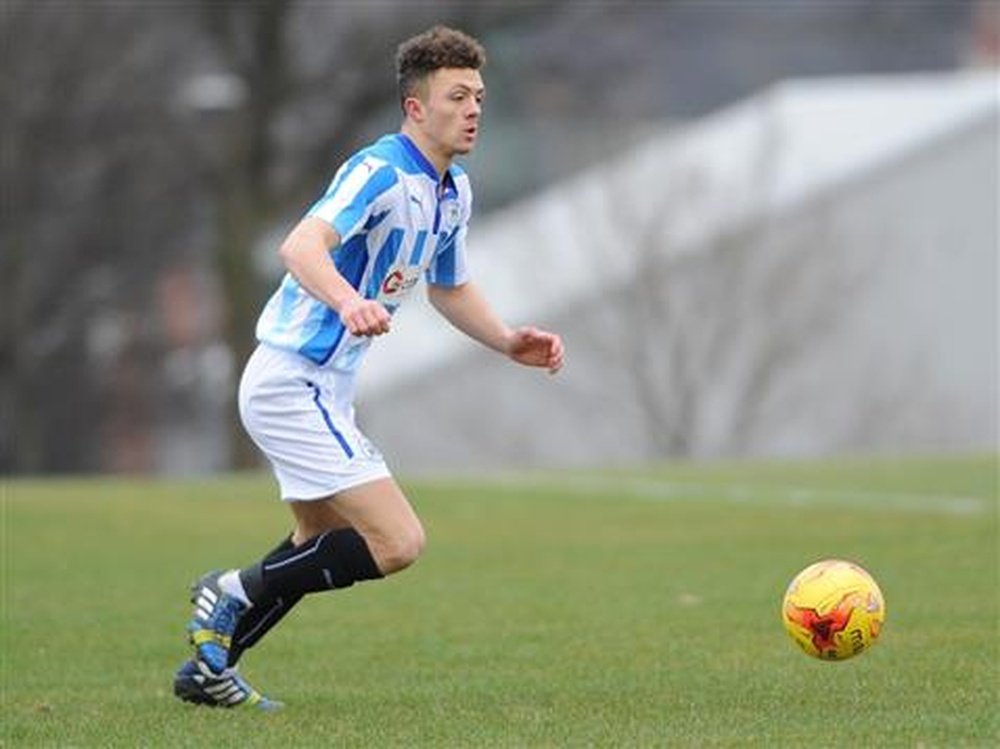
{"x":399,"y":551}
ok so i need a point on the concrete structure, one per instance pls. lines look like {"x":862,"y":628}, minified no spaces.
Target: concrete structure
{"x":811,"y":271}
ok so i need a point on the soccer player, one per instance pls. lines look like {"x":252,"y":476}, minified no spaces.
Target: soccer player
{"x":395,"y":211}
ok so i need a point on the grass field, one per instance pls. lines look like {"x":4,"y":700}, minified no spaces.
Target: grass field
{"x":601,"y":609}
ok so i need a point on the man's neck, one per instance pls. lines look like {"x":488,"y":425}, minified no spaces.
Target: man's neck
{"x":438,"y":160}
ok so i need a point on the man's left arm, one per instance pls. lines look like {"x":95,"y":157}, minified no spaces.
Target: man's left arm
{"x":466,"y":308}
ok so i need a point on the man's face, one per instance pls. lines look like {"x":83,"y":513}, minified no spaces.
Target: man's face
{"x":452,"y":104}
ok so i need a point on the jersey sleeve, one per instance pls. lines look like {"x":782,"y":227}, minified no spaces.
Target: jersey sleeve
{"x":353,"y":195}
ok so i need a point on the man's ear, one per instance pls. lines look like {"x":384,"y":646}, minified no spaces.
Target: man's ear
{"x":413,"y":108}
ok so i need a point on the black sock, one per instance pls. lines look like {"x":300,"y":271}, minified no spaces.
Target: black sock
{"x":335,"y":559}
{"x":262,"y":616}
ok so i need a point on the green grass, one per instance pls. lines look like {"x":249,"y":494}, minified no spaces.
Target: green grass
{"x":634,"y":608}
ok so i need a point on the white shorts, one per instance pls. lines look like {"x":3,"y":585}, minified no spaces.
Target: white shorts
{"x":302,"y":417}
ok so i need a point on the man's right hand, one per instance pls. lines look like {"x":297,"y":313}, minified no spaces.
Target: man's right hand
{"x":365,"y":317}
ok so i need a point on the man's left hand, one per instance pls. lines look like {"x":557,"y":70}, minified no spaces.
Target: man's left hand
{"x":536,"y":348}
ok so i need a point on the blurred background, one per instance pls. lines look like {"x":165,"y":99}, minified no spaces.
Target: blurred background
{"x":764,"y":228}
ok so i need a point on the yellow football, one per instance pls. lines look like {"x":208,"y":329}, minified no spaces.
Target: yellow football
{"x":833,"y":610}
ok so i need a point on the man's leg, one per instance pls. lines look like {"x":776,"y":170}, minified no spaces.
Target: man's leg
{"x":383,"y":535}
{"x":265,"y":614}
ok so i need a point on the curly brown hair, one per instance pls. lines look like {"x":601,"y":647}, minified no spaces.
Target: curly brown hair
{"x":438,"y":47}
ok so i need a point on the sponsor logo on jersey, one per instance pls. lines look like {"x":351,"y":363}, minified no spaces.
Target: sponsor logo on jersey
{"x":399,"y":281}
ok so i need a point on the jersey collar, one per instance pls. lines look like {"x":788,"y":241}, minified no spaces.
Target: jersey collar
{"x":425,"y":165}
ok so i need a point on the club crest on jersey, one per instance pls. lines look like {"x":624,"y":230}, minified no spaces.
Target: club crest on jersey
{"x":451,"y":212}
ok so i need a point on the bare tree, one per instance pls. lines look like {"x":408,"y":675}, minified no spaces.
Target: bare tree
{"x":93,"y":204}
{"x":706,"y":333}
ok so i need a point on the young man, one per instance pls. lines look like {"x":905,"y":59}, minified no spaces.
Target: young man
{"x":395,"y":211}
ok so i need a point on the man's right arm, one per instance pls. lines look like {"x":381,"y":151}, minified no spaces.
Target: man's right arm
{"x":306,"y":254}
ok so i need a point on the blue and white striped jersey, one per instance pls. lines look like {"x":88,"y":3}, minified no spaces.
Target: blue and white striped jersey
{"x":396,"y":222}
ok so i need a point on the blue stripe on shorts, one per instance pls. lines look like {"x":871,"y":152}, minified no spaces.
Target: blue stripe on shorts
{"x":329,"y":422}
